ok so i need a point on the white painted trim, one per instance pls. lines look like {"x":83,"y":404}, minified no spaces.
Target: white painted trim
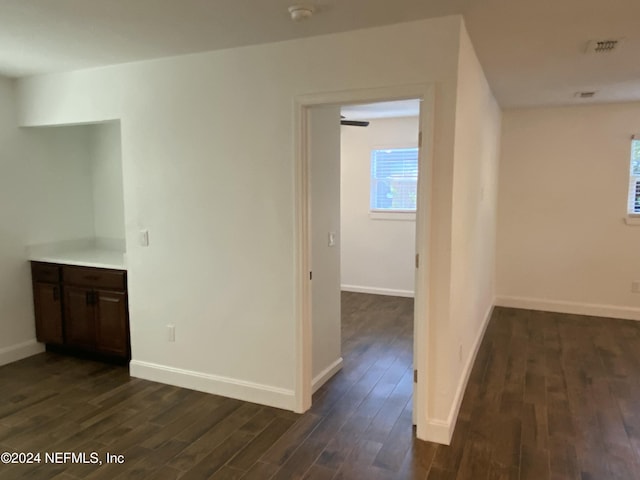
{"x":576,"y":308}
{"x":302,"y":309}
{"x":21,"y":350}
{"x":326,"y":374}
{"x":377,"y":291}
{"x":423,"y":281}
{"x":393,"y":216}
{"x":441,"y":431}
{"x":204,"y":382}
{"x":302,"y":206}
{"x":366,"y":95}
{"x":438,"y":431}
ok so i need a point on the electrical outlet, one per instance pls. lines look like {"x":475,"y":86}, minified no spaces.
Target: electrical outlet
{"x":171,"y":333}
{"x":635,"y":287}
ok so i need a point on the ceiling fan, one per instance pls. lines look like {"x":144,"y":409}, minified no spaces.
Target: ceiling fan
{"x":353,"y":123}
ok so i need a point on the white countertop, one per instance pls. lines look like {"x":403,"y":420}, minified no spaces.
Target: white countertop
{"x":81,"y":255}
{"x":85,"y":258}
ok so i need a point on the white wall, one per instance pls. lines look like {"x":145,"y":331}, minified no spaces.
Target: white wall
{"x":324,"y":147}
{"x":377,"y":256}
{"x":562,"y":242}
{"x":45,"y":195}
{"x":208,"y":167}
{"x":87,"y":160}
{"x":58,"y":161}
{"x":16,"y":322}
{"x":106,"y":169}
{"x":475,"y":188}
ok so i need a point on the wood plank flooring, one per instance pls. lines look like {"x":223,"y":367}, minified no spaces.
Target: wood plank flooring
{"x":550,"y":396}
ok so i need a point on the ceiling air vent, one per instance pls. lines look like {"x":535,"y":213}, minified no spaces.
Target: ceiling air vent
{"x":603,"y":46}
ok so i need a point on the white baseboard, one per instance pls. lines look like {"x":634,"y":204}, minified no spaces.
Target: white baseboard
{"x":576,"y":308}
{"x":441,"y":431}
{"x":377,"y":291}
{"x":18,"y":352}
{"x":224,"y":386}
{"x":437,"y":431}
{"x":325,"y":375}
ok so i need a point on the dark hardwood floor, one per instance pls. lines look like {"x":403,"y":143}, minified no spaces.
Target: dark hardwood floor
{"x":550,"y":396}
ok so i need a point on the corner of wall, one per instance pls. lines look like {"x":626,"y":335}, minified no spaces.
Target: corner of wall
{"x":473,"y":235}
{"x":441,"y":431}
{"x":18,"y":352}
{"x":324,"y":376}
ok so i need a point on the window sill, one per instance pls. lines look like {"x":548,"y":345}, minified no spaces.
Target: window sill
{"x":633,"y":220}
{"x":405,"y":216}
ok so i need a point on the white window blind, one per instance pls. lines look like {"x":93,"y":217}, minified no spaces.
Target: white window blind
{"x":634,"y":177}
{"x":394,"y":180}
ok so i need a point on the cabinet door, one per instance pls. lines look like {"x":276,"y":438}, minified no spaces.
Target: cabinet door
{"x":48,"y":312}
{"x":112,"y":336}
{"x":79,"y":319}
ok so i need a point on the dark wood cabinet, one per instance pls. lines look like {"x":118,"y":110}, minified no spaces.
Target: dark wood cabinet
{"x":82,"y":308}
{"x":79,"y":317}
{"x":47,"y":294}
{"x":111,"y":322}
{"x":48,"y":310}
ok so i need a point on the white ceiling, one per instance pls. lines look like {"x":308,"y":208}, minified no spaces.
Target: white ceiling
{"x":51,"y":35}
{"x":532,"y":51}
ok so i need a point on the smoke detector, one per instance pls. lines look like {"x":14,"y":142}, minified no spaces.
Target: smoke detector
{"x":300,"y":12}
{"x":604,"y":46}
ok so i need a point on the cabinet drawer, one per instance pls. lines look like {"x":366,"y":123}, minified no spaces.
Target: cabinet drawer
{"x":45,"y":272}
{"x":94,"y":277}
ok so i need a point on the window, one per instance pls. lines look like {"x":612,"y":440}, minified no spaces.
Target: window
{"x":394,"y":180}
{"x":634,"y":181}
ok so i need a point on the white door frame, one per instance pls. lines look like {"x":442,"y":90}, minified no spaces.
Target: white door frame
{"x":302,"y":104}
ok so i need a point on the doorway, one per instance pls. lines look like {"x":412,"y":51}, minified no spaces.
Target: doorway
{"x":329,"y":106}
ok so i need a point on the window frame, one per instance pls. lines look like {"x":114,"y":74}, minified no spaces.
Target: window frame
{"x":634,"y":182}
{"x":392,"y":214}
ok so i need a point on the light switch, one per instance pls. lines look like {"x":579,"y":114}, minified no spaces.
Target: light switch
{"x":332,"y":239}
{"x":143,"y":238}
